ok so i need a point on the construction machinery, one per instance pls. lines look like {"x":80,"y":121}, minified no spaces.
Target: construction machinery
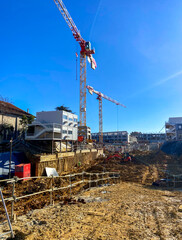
{"x":99,"y":97}
{"x":85,"y":52}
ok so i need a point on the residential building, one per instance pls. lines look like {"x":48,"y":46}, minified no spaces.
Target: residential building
{"x":174,"y":128}
{"x":10,"y":117}
{"x":151,"y":137}
{"x":112,"y":137}
{"x":53,"y":125}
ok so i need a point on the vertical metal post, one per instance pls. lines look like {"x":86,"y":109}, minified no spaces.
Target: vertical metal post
{"x":10,"y":159}
{"x":12,"y":203}
{"x":7,"y":216}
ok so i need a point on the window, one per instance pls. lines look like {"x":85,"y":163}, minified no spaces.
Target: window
{"x":65,"y":131}
{"x":75,"y":119}
{"x":70,"y":132}
{"x":70,"y":119}
{"x":65,"y":117}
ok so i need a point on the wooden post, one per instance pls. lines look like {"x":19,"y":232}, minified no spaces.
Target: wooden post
{"x":12,"y":203}
{"x":90,"y":181}
{"x":51,"y":192}
{"x":52,"y":146}
{"x":7,"y":216}
{"x":70,"y":184}
{"x":174,"y":182}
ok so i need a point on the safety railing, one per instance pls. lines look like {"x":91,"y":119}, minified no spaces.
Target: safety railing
{"x":86,"y":178}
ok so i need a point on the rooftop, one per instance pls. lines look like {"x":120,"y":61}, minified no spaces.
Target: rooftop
{"x":8,"y":108}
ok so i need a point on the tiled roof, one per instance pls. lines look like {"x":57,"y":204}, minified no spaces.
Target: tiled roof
{"x":8,"y":108}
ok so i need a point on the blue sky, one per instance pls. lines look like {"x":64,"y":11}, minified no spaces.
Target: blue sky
{"x":138,"y":53}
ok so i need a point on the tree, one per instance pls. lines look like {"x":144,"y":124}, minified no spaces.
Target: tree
{"x":63,"y":108}
{"x":5,"y":99}
{"x":26,"y":120}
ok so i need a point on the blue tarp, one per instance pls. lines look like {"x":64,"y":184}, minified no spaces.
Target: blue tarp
{"x":17,"y":158}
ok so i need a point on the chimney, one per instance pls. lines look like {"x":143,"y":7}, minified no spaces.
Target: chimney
{"x":27,"y":110}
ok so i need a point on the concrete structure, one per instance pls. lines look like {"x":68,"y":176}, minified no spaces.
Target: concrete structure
{"x":151,"y":137}
{"x":132,"y":139}
{"x":113,"y":137}
{"x":10,"y":117}
{"x":53,"y":125}
{"x":84,"y":131}
{"x":64,"y":162}
{"x":174,"y":128}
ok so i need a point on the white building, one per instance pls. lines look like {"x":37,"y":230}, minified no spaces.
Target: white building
{"x":174,"y":128}
{"x":112,"y":137}
{"x":53,"y":125}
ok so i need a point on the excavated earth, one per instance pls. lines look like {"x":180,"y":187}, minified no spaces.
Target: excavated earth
{"x":131,"y":209}
{"x":121,"y":211}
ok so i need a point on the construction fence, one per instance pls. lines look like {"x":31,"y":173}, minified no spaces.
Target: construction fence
{"x":83,"y":180}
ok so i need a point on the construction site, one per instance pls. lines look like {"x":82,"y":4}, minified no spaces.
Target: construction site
{"x":60,"y":180}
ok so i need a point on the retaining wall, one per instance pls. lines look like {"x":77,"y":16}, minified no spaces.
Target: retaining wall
{"x":65,"y":162}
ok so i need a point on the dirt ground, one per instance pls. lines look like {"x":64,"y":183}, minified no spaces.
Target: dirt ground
{"x":121,"y":211}
{"x":131,"y":209}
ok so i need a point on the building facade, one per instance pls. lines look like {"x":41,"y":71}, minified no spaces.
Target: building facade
{"x":53,"y":125}
{"x":151,"y":137}
{"x":112,"y":137}
{"x":174,"y":129}
{"x":10,"y":121}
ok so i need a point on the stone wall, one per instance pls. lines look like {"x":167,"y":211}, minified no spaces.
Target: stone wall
{"x":65,"y":162}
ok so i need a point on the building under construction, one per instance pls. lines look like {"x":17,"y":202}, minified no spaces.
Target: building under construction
{"x":112,"y":137}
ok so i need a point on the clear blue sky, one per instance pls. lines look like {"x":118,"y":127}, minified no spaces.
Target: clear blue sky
{"x":138,"y":47}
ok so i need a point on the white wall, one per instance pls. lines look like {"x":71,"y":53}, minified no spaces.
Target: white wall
{"x":64,"y":118}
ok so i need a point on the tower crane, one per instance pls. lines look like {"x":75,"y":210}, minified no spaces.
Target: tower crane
{"x":85,"y":52}
{"x":99,"y":97}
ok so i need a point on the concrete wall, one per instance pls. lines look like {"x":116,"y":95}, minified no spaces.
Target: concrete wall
{"x":65,"y":162}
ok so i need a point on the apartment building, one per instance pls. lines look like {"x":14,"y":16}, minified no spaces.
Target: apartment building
{"x":112,"y":137}
{"x":174,"y":129}
{"x":53,"y":125}
{"x":151,"y":137}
